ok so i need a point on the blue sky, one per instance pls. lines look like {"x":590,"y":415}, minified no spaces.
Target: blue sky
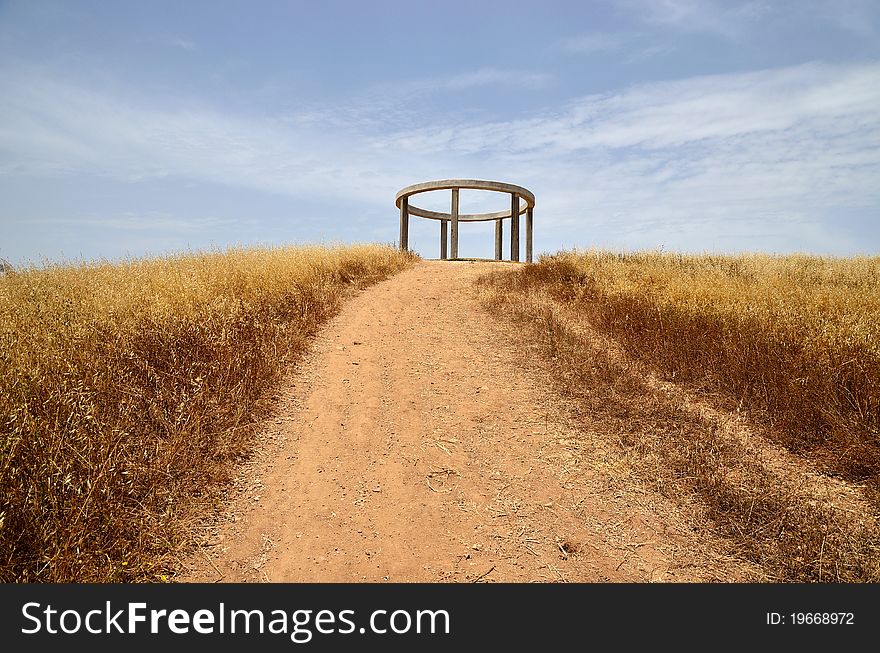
{"x":140,"y":128}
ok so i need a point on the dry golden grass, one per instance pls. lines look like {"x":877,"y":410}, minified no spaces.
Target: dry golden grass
{"x":797,"y":337}
{"x":791,"y":342}
{"x":126,"y":390}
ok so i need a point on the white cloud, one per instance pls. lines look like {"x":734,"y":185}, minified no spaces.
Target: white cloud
{"x":591,"y":43}
{"x":52,"y":127}
{"x":493,"y":77}
{"x":724,"y":17}
{"x":390,"y":105}
{"x":860,"y":17}
{"x":734,"y":18}
{"x":779,"y":152}
{"x":674,"y":114}
{"x":184,"y":44}
{"x":481,"y":77}
{"x":150,"y":221}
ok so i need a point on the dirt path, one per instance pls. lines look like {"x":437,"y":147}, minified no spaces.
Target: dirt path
{"x":414,"y":445}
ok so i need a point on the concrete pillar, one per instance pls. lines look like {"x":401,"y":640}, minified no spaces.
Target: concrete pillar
{"x":529,"y":235}
{"x":443,"y":232}
{"x":499,"y":238}
{"x":454,"y":213}
{"x":514,"y":227}
{"x":404,"y":224}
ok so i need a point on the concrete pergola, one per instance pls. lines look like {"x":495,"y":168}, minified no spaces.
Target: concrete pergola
{"x":521,"y":201}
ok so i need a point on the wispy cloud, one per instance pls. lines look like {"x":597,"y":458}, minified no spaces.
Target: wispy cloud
{"x":491,"y":77}
{"x":860,"y":17}
{"x":148,"y":221}
{"x":734,"y":19}
{"x":182,"y":43}
{"x":48,"y":126}
{"x":591,"y":43}
{"x":678,"y":113}
{"x":391,"y":105}
{"x":478,"y":78}
{"x":630,"y":48}
{"x":725,"y":17}
{"x":781,"y":151}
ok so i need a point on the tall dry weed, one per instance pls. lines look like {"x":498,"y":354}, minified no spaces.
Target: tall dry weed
{"x":126,"y":389}
{"x":791,"y":341}
{"x":794,"y":337}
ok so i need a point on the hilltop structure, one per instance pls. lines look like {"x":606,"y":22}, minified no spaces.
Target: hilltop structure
{"x":522,"y":201}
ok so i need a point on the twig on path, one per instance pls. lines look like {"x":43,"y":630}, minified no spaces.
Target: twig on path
{"x":438,"y":472}
{"x":634,"y":546}
{"x":220,"y":573}
{"x":211,"y":562}
{"x":428,"y":483}
{"x":482,"y":576}
{"x":557,"y":572}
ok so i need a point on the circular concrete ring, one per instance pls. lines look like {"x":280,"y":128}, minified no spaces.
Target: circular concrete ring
{"x":474,"y":184}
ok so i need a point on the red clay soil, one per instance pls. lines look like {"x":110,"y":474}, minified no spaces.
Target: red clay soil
{"x":413,"y":444}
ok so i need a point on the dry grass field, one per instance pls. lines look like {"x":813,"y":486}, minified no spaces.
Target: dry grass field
{"x":127,"y":389}
{"x":624,"y":417}
{"x":789,"y":344}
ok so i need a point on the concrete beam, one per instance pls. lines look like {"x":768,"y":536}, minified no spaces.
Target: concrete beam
{"x":514,"y":227}
{"x":404,"y":224}
{"x":529,"y":225}
{"x":462,"y":217}
{"x":454,"y":215}
{"x":522,"y":202}
{"x":479,"y":184}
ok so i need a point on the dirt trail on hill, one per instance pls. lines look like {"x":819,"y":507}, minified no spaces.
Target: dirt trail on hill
{"x":414,"y":444}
